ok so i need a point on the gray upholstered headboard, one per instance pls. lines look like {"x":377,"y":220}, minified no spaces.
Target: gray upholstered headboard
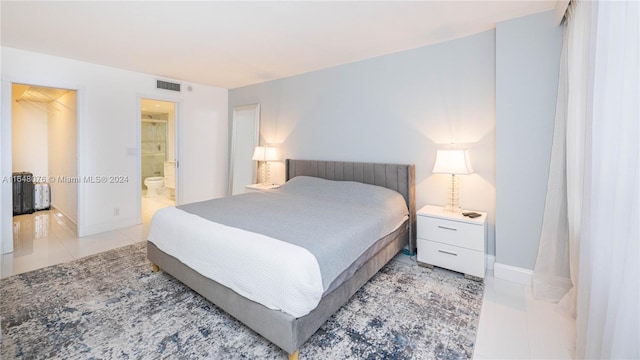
{"x":398,"y":177}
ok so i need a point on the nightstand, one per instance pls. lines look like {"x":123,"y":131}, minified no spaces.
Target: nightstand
{"x":451,"y":240}
{"x":261,"y":187}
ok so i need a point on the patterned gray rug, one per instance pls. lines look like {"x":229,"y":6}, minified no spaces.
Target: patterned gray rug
{"x":111,"y":306}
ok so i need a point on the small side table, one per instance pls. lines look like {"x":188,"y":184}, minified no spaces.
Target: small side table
{"x":452,"y":241}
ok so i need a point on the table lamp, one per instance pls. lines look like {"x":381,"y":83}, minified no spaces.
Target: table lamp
{"x":265,"y":154}
{"x":453,"y":162}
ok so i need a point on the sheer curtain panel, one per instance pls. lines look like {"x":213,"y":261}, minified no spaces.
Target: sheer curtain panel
{"x":608,"y":315}
{"x":594,"y":171}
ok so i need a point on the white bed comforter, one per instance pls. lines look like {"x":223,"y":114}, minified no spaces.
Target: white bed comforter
{"x":292,"y":281}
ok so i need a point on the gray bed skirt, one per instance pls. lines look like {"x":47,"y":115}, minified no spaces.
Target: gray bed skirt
{"x":282,"y":329}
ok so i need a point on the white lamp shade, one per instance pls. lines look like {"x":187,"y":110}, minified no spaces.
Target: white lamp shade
{"x":455,"y":162}
{"x":265,"y":153}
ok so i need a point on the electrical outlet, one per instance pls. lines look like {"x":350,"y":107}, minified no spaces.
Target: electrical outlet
{"x":116,"y":211}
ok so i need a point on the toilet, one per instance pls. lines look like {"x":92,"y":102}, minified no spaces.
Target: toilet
{"x":153,"y":184}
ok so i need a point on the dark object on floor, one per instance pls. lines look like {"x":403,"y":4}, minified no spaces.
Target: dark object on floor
{"x":22,"y":193}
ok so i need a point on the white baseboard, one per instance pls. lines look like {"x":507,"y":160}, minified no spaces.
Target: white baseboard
{"x":490,"y":260}
{"x":71,"y":224}
{"x":512,"y":273}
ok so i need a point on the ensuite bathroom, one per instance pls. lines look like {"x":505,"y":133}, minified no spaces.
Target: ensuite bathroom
{"x":158,"y":166}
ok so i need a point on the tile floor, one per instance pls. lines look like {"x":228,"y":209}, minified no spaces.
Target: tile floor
{"x":513,"y":325}
{"x":42,"y":239}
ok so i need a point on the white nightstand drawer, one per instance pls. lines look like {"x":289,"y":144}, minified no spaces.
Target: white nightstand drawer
{"x":470,"y":236}
{"x":455,"y":258}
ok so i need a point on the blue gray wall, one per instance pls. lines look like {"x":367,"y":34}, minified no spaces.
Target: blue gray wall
{"x":395,"y":108}
{"x":527,"y":64}
{"x":403,"y":107}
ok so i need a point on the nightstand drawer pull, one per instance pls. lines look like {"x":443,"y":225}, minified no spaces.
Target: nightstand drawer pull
{"x":447,"y":252}
{"x":447,"y":228}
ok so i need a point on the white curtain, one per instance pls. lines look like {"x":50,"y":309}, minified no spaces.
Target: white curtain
{"x":596,"y":237}
{"x":608,"y":315}
{"x":551,"y":277}
{"x":556,"y":268}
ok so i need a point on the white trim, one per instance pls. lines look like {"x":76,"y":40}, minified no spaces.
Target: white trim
{"x":490,"y":260}
{"x":66,"y":219}
{"x":6,"y":138}
{"x":138,"y":219}
{"x":177,"y":109}
{"x":6,"y":223}
{"x":81,"y":160}
{"x":512,"y":273}
{"x":177,"y":123}
{"x":256,"y":109}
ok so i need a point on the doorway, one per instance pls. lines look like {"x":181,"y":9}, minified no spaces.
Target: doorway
{"x":158,"y":165}
{"x":44,"y":147}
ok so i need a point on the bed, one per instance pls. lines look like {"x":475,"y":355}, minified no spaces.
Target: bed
{"x":337,"y":277}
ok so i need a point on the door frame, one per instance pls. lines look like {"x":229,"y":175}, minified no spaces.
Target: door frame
{"x":255,"y":107}
{"x":177,"y":109}
{"x":6,"y":149}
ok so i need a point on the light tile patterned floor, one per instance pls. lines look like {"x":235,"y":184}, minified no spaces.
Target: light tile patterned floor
{"x":513,"y":325}
{"x":42,"y":239}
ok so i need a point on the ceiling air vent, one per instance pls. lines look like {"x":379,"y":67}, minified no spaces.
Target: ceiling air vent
{"x":168,"y":85}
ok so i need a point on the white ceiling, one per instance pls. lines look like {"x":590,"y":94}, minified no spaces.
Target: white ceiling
{"x":237,"y":43}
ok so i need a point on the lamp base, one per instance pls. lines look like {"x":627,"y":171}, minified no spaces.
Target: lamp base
{"x":265,"y":173}
{"x":453,"y":195}
{"x":450,"y":208}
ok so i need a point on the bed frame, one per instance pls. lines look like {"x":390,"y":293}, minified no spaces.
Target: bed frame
{"x":282,"y":329}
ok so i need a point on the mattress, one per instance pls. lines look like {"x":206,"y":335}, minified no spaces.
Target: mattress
{"x":283,"y":248}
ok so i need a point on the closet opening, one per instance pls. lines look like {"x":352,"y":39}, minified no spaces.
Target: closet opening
{"x":44,"y":166}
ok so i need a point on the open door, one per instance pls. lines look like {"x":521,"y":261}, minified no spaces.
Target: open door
{"x":158,"y":155}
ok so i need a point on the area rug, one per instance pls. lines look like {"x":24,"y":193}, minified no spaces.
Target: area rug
{"x":111,"y":306}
